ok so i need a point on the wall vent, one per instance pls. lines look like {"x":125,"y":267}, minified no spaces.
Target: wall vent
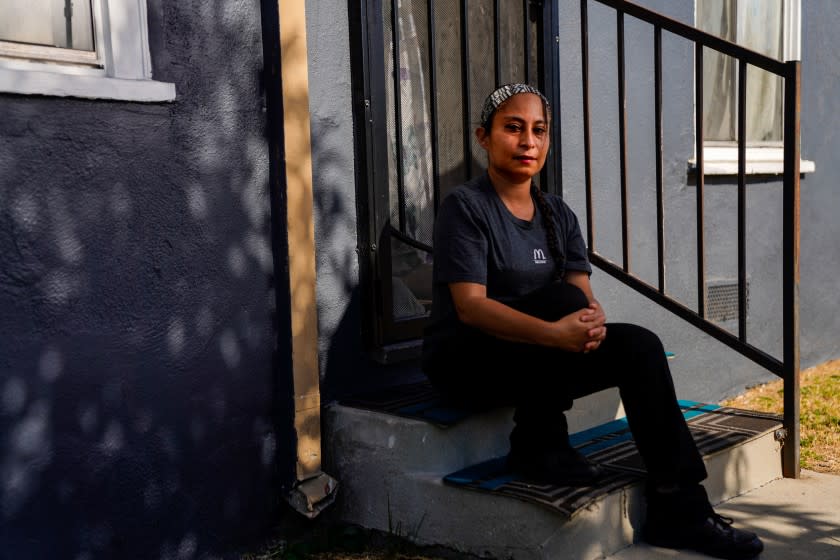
{"x":722,"y":300}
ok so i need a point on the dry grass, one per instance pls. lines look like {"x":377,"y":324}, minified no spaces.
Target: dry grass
{"x":819,"y":413}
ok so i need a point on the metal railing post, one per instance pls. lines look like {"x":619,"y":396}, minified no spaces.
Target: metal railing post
{"x":622,"y":142}
{"x":699,"y":173}
{"x":790,"y":260}
{"x":587,"y":131}
{"x":660,"y":196}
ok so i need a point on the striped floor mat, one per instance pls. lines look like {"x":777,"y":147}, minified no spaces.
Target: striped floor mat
{"x":714,"y":428}
{"x":492,"y":476}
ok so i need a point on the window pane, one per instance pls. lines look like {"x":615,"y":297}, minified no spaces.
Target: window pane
{"x":414,"y":134}
{"x":411,"y":181}
{"x":717,"y":17}
{"x":511,"y":21}
{"x":760,"y":26}
{"x":761,"y":29}
{"x":481,"y":70}
{"x":719,"y":96}
{"x":764,"y":106}
{"x":719,"y":85}
{"x":416,"y":128}
{"x":450,"y":105}
{"x":755,"y":24}
{"x":66,"y":24}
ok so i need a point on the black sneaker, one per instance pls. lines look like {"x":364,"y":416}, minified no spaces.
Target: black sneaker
{"x":564,"y":467}
{"x":714,"y":536}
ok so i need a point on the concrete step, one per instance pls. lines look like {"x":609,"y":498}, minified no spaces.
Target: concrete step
{"x":417,"y":445}
{"x":391,"y":470}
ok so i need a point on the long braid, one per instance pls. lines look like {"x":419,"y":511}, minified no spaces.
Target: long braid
{"x":551,"y":237}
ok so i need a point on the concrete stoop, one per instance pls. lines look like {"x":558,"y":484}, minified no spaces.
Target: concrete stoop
{"x":391,"y":469}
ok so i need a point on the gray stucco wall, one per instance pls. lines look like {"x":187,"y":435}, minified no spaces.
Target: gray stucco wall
{"x":334,"y":184}
{"x":704,"y":369}
{"x":820,"y":192}
{"x":140,"y":393}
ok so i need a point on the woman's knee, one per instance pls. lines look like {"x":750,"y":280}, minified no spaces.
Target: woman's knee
{"x":635,"y":338}
{"x":553,"y":301}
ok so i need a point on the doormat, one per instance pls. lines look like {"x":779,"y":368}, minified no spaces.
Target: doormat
{"x":713,"y":427}
{"x":419,"y":400}
{"x":492,"y":476}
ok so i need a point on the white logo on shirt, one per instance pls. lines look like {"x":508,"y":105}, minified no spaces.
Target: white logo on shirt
{"x":539,"y":256}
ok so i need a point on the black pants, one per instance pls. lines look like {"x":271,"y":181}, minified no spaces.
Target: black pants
{"x":476,"y":369}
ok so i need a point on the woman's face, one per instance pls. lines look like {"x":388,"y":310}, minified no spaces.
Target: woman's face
{"x":517,"y":141}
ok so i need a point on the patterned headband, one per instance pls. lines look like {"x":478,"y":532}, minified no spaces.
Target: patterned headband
{"x":505,"y":92}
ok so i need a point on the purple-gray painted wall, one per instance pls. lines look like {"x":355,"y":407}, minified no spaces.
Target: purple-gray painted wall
{"x":144,"y":399}
{"x":820,"y":196}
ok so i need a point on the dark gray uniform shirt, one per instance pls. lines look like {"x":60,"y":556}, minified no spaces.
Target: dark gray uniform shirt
{"x":478,"y":240}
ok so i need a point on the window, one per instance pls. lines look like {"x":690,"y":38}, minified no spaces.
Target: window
{"x":772,"y":28}
{"x":79,"y":48}
{"x":60,"y":24}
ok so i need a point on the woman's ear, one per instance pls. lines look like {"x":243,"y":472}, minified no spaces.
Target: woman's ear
{"x":482,"y":136}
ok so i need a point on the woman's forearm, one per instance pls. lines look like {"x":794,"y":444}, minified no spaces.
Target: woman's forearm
{"x":499,"y":320}
{"x":572,"y":332}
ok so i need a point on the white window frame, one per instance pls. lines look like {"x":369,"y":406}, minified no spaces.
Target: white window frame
{"x":119,"y":69}
{"x":721,"y":158}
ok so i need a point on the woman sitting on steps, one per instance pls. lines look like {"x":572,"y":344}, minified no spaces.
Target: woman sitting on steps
{"x":514,"y":322}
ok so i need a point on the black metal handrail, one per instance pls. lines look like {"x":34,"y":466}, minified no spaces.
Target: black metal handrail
{"x":788,"y":366}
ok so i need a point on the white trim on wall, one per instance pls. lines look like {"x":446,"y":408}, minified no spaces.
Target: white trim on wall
{"x":764,"y":160}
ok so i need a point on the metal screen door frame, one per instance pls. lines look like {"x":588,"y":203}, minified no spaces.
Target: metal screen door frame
{"x":379,"y":112}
